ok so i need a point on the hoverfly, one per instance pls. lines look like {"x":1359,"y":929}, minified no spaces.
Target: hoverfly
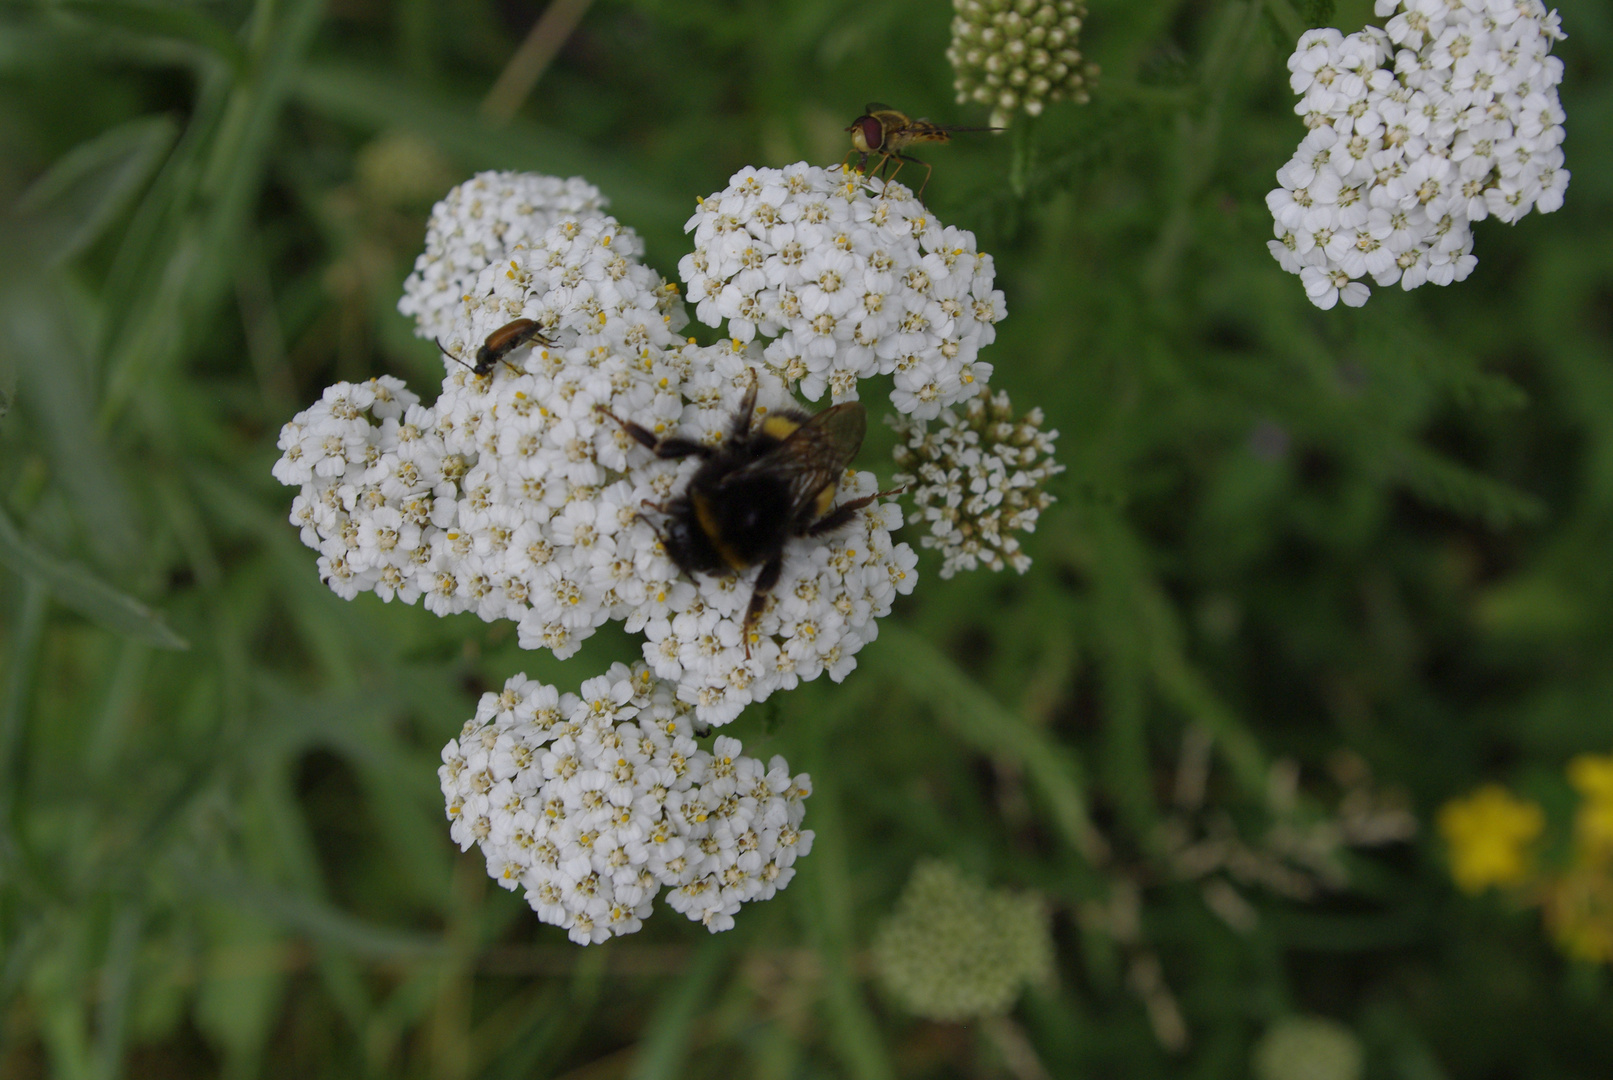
{"x":500,"y":343}
{"x":766,"y":484}
{"x":884,"y":131}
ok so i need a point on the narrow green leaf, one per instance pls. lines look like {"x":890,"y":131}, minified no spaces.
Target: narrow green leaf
{"x":666,"y":1037}
{"x":23,"y":653}
{"x":827,"y":909}
{"x":114,"y":987}
{"x":75,"y":586}
{"x":992,"y":728}
{"x":242,"y":986}
{"x":41,"y":324}
{"x":67,"y":209}
{"x":215,"y":212}
{"x":1452,"y":486}
{"x":187,"y":23}
{"x":376,"y":100}
{"x":315,"y":919}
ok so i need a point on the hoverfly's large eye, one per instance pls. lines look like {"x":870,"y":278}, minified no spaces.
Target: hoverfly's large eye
{"x":873,"y":132}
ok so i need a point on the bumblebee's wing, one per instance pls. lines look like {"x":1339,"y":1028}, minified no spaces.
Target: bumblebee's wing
{"x":814,"y":455}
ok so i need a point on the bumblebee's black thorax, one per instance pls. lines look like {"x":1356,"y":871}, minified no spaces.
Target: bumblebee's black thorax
{"x":731,"y":517}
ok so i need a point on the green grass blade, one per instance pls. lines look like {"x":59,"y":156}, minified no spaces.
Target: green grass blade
{"x":71,"y":205}
{"x":992,"y":728}
{"x":76,"y":587}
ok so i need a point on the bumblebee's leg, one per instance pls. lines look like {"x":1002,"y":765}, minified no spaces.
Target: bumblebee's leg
{"x":672,"y":446}
{"x":747,"y":410}
{"x":658,"y":508}
{"x":841,"y":515}
{"x":758,"y":599}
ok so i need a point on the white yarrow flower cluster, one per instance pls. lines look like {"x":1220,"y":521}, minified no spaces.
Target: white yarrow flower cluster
{"x":848,"y":278}
{"x":594,"y":802}
{"x":514,"y":496}
{"x":1446,"y":116}
{"x":479,"y":223}
{"x":976,"y":480}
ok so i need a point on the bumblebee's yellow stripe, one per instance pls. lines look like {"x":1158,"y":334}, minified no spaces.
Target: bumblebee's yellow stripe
{"x":779,"y":427}
{"x":825,"y":499}
{"x":708,"y":525}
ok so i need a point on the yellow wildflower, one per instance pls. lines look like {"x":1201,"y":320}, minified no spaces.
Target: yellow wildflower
{"x":1488,"y":833}
{"x":1592,"y":777}
{"x":1579,"y":910}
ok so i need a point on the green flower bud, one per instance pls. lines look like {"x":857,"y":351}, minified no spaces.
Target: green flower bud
{"x":1308,"y":1048}
{"x":1028,"y":44}
{"x":954,"y":950}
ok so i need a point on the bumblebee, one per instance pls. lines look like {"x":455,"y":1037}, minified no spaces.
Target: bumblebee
{"x":766,"y":484}
{"x":885,"y":131}
{"x":501,"y":342}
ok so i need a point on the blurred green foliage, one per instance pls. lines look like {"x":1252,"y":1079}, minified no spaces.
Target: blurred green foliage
{"x":222,"y":847}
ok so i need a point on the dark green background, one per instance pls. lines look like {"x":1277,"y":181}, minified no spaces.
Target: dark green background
{"x":1384,"y":529}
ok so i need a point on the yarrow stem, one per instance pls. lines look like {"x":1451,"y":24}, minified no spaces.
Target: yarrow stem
{"x":1400,"y":159}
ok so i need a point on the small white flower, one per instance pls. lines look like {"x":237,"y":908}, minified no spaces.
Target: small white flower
{"x":859,"y":281}
{"x":593,"y":823}
{"x":478,"y":224}
{"x":1465,"y":125}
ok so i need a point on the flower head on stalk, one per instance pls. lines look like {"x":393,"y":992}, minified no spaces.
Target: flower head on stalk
{"x":515,"y":496}
{"x":976,"y":479}
{"x":593,"y":802}
{"x":1446,"y":116}
{"x":1018,"y":55}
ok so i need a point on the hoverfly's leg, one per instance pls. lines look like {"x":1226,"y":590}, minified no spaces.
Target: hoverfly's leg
{"x":672,"y":446}
{"x":841,"y":515}
{"x":747,"y":410}
{"x":928,"y":170}
{"x":758,"y":599}
{"x":902,"y":159}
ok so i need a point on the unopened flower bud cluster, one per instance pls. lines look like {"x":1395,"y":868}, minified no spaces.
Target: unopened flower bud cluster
{"x":478,"y":224}
{"x":976,"y":477}
{"x":954,"y":950}
{"x":1446,"y":116}
{"x":1308,"y":1048}
{"x":516,"y":497}
{"x":1017,"y":55}
{"x":594,"y":802}
{"x":846,"y":277}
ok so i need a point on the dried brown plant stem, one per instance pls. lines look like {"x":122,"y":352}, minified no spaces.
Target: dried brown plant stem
{"x":532,"y":59}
